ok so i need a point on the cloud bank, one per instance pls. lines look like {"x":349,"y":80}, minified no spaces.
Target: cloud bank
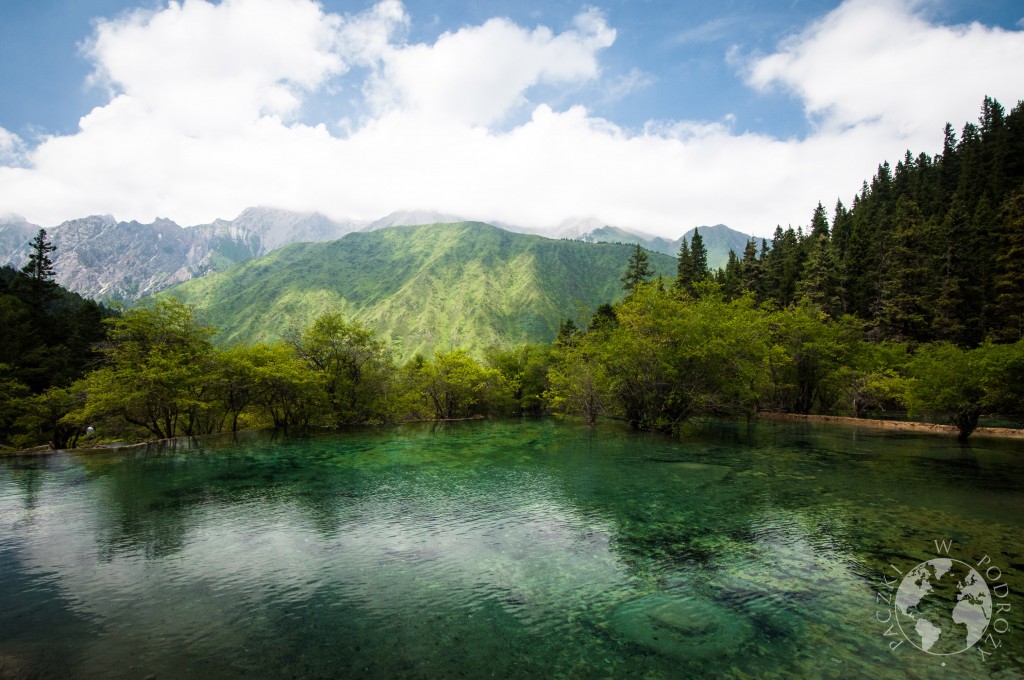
{"x":205,"y":118}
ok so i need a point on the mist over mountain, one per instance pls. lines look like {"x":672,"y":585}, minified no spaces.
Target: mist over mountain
{"x":267,"y":229}
{"x":408,"y":218}
{"x":718,"y":239}
{"x":15,"y":233}
{"x":608,"y":234}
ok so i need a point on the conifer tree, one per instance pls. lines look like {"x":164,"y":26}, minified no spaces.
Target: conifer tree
{"x":40,"y":266}
{"x":993,"y":149}
{"x":819,"y":224}
{"x":842,"y":225}
{"x":638,"y":270}
{"x":699,"y":255}
{"x":821,"y":280}
{"x":786,"y":265}
{"x":1009,"y":280}
{"x":684,"y":268}
{"x":693,"y":264}
{"x":731,"y":277}
{"x":1014,"y":143}
{"x":970,"y":183}
{"x":568,"y":332}
{"x":903,"y":312}
{"x":750,"y":270}
{"x":870,"y":227}
{"x":949,"y":167}
{"x":951,"y":314}
{"x":982,"y":243}
{"x":771,"y":266}
{"x":604,"y":319}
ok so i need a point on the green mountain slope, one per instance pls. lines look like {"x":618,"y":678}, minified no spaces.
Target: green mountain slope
{"x":719,"y":240}
{"x":618,"y":235}
{"x":423,"y":288}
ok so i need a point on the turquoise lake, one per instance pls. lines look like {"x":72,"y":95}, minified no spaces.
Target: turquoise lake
{"x":506,"y":549}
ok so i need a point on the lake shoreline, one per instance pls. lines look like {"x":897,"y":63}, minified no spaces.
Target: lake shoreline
{"x":43,"y":450}
{"x":916,"y":427}
{"x":895,"y":425}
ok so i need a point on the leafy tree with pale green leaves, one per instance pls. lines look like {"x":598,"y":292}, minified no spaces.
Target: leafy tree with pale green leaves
{"x":159,"y":361}
{"x":959,"y":385}
{"x":1003,"y":378}
{"x":947,"y":382}
{"x":808,"y":349}
{"x":12,"y":391}
{"x":267,"y":386}
{"x":579,"y":383}
{"x":871,"y":380}
{"x":454,"y":385}
{"x":524,"y":370}
{"x":355,"y":369}
{"x":669,"y":360}
{"x":288,"y":391}
{"x":44,"y":418}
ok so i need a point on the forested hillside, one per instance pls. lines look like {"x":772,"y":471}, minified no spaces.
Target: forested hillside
{"x":931,"y":249}
{"x":910,"y":302}
{"x":49,"y":339}
{"x":441,"y":286}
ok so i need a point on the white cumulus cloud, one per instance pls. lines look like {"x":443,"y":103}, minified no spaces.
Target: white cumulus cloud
{"x":881,"y":61}
{"x":206,"y":68}
{"x":479,"y":74}
{"x":12,"y":148}
{"x":206,"y":117}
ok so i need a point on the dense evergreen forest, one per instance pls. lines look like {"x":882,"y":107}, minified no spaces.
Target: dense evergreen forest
{"x":932,"y":249}
{"x":910,"y":301}
{"x":50,"y":338}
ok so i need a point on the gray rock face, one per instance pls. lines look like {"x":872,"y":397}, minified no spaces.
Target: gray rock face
{"x":111,"y":260}
{"x":267,"y":229}
{"x":15,"y":233}
{"x":108,"y":260}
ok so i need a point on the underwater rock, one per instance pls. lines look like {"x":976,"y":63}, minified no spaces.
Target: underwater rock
{"x":683,"y":628}
{"x":697,"y":473}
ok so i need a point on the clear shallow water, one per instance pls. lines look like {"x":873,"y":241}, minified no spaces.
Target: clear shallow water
{"x":504,"y":549}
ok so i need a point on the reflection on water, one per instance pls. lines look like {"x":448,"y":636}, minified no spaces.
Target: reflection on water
{"x":507,"y":548}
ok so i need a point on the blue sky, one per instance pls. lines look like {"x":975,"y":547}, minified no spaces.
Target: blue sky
{"x":646,"y":114}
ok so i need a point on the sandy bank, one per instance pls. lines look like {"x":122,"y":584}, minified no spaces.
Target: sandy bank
{"x":897,"y":425}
